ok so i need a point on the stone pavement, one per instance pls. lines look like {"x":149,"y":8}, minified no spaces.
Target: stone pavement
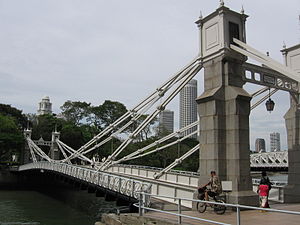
{"x":247,"y":217}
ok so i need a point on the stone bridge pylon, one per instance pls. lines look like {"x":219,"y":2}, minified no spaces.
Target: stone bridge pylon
{"x":53,"y":153}
{"x":224,"y":106}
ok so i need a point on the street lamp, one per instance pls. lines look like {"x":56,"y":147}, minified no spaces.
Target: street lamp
{"x":270,"y":103}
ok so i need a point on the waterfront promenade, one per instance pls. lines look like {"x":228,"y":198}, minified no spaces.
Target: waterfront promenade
{"x":248,"y":217}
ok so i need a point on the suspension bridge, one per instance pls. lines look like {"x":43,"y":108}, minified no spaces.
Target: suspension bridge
{"x":223,"y":127}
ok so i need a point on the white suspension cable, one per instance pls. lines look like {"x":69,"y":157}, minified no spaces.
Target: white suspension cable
{"x":260,"y":92}
{"x":39,"y":151}
{"x":139,"y":151}
{"x":31,"y":151}
{"x":144,"y":102}
{"x":266,"y":60}
{"x":157,"y":149}
{"x":263,"y":99}
{"x":63,"y":152}
{"x":177,"y":161}
{"x":72,"y":151}
{"x":195,"y":69}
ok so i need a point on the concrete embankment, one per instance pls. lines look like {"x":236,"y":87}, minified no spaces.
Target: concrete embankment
{"x":130,"y":219}
{"x":8,"y":180}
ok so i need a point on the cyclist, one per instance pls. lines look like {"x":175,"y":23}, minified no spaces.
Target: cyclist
{"x":215,"y":186}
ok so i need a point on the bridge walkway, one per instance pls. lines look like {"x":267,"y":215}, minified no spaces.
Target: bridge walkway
{"x":248,"y":217}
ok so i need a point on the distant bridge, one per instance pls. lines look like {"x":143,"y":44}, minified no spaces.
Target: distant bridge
{"x":269,"y":160}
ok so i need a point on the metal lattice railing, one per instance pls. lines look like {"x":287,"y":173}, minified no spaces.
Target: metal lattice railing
{"x":119,"y":184}
{"x":269,"y":159}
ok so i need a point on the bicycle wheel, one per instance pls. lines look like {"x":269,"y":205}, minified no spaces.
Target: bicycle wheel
{"x":201,"y":207}
{"x":220,"y":209}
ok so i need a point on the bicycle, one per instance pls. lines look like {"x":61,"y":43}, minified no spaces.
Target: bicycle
{"x":201,"y":206}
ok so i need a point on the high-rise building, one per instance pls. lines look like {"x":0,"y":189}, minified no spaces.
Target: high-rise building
{"x":275,"y":142}
{"x":45,"y":106}
{"x":188,"y":106}
{"x":260,"y":145}
{"x":166,"y":121}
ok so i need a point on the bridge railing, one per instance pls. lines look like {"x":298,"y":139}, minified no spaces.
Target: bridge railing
{"x":143,"y":209}
{"x":125,"y":186}
{"x":174,"y":176}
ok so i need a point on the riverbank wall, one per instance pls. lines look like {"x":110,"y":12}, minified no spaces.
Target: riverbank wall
{"x":130,"y":219}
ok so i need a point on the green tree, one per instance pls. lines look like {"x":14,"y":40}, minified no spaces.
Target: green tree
{"x":72,"y":135}
{"x":107,"y":113}
{"x":15,"y":113}
{"x":11,"y":138}
{"x":76,"y":112}
{"x":44,"y":126}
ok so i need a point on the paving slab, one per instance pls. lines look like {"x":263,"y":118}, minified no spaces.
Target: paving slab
{"x":247,"y":216}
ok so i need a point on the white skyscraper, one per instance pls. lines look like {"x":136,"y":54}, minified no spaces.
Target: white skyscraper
{"x":188,"y":106}
{"x":275,"y":141}
{"x":45,"y":106}
{"x":166,"y":121}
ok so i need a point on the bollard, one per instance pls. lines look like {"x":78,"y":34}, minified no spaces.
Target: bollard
{"x":179,"y":211}
{"x":238,"y":216}
{"x":143,"y":202}
{"x":140,"y":204}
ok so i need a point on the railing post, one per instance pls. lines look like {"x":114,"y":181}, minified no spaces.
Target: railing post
{"x":179,"y":211}
{"x":140,"y":204}
{"x":143,"y":203}
{"x":238,"y":215}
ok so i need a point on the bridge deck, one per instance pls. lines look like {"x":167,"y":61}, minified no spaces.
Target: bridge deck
{"x":247,"y":217}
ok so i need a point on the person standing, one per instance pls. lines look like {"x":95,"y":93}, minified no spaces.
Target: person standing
{"x":263,"y":190}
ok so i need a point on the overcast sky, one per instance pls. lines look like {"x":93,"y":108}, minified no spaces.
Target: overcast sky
{"x":122,"y":50}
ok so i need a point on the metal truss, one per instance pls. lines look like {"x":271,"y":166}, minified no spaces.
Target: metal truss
{"x":269,"y":159}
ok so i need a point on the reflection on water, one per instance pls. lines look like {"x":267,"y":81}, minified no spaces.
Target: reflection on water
{"x":33,"y":208}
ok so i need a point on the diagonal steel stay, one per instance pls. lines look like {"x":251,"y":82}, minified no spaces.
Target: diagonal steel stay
{"x":263,"y":99}
{"x":37,"y":150}
{"x":177,"y":161}
{"x":61,"y":148}
{"x":260,"y":92}
{"x":142,"y":106}
{"x":266,"y":60}
{"x":135,"y":155}
{"x":31,"y":152}
{"x":196,"y":68}
{"x":72,"y":151}
{"x":160,"y":148}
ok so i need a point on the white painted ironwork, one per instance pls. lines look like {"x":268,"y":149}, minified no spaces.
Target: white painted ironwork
{"x":119,"y":184}
{"x":269,"y":159}
{"x":247,"y":50}
{"x":140,"y":109}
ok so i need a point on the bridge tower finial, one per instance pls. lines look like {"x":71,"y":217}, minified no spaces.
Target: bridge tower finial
{"x":242,"y":10}
{"x":200,"y":15}
{"x":221,"y":3}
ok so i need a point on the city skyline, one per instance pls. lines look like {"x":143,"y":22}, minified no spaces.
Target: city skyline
{"x":71,"y":50}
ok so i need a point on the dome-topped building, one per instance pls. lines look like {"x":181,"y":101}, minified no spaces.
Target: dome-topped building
{"x":45,"y":106}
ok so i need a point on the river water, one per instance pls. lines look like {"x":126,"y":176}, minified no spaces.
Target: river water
{"x":34,"y":208}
